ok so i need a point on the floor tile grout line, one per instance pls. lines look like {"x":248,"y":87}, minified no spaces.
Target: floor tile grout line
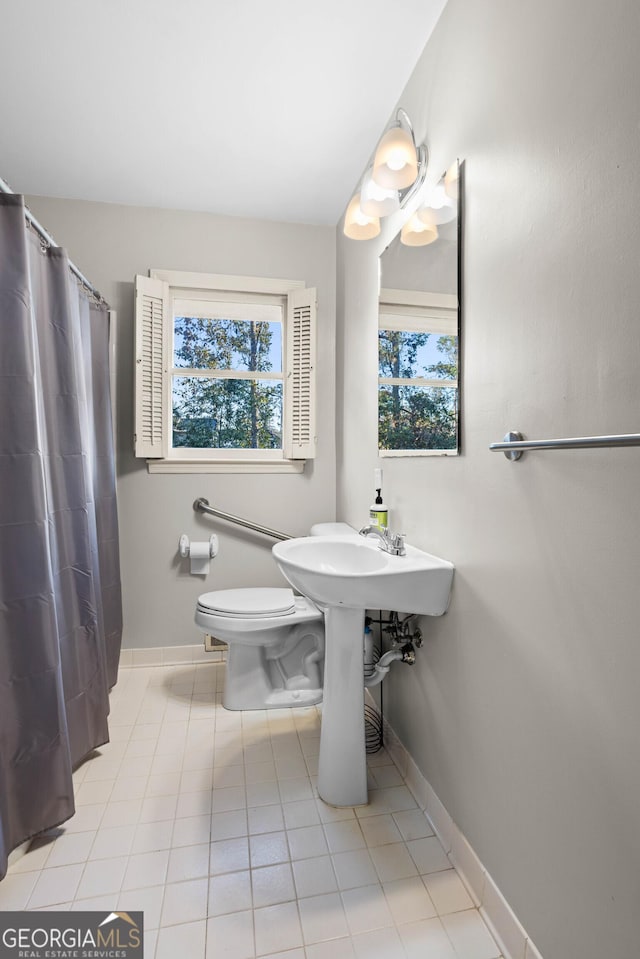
{"x":249,"y":735}
{"x":138,"y":819}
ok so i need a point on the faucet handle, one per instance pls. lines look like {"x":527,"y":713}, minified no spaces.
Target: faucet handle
{"x":397,"y":543}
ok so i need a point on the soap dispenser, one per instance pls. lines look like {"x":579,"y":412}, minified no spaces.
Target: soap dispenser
{"x":378,"y":512}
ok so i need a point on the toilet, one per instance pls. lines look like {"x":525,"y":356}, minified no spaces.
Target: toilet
{"x":275,"y":656}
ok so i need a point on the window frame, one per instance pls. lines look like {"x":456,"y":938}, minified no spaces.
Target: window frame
{"x":413,"y":311}
{"x":217,"y":453}
{"x":182,"y":286}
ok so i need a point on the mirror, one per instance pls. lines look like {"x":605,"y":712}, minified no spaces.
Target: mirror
{"x":419,"y":329}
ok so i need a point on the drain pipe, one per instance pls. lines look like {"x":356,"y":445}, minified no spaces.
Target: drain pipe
{"x":406,"y":654}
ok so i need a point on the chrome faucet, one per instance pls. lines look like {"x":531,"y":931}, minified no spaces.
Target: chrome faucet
{"x":389,"y":542}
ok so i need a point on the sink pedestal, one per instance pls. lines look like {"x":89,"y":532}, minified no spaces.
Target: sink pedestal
{"x":342,"y":769}
{"x":345,"y":576}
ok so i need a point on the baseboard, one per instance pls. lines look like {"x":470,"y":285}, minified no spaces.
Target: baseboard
{"x":495,"y":910}
{"x":170,"y":655}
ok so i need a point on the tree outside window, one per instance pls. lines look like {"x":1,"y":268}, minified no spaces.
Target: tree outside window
{"x":221,"y":401}
{"x":415,"y":410}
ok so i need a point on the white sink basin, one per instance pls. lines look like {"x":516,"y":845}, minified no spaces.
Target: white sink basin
{"x":357,"y":574}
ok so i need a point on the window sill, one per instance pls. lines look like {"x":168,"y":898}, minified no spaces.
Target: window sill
{"x":225,"y":466}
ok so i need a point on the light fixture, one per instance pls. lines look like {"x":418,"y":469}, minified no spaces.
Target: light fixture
{"x":398,"y":171}
{"x":416,"y":232}
{"x":357,"y":225}
{"x":395,"y":165}
{"x":375,"y":200}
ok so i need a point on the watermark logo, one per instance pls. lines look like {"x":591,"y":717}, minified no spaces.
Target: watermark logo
{"x":71,"y":935}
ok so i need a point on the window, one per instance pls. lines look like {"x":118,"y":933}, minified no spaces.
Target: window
{"x":224,"y":373}
{"x":417,"y":375}
{"x":227,"y":375}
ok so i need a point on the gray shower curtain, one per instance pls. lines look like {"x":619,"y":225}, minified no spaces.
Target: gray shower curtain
{"x":60,"y":602}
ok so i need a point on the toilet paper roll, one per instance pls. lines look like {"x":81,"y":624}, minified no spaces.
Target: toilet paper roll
{"x":199,"y":556}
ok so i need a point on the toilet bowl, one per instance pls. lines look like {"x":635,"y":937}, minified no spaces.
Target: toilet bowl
{"x":275,"y":640}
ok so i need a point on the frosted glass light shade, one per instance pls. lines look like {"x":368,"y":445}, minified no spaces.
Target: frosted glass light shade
{"x":375,"y":200}
{"x":357,"y":225}
{"x":435,"y":216}
{"x":438,"y":196}
{"x":395,"y":165}
{"x":417,"y":233}
{"x":452,"y":181}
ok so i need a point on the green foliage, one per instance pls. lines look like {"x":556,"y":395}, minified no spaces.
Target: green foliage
{"x":416,"y":417}
{"x":397,"y":352}
{"x":226,"y":413}
{"x":446,"y":369}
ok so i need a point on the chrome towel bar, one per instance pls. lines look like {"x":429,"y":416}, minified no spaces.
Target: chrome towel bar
{"x":201,"y":505}
{"x":513,"y":445}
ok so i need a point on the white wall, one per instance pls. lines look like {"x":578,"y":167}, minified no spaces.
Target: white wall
{"x":110,"y":244}
{"x":523,"y":710}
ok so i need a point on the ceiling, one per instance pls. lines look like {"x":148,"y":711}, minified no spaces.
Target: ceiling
{"x":263,"y":108}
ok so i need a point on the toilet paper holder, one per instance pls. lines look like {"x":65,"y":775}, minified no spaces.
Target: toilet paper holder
{"x":198,"y":553}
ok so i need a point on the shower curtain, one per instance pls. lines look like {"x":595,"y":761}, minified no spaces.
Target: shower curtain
{"x":60,"y":602}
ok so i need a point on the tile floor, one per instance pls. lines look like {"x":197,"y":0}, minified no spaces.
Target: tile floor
{"x":210,"y":823}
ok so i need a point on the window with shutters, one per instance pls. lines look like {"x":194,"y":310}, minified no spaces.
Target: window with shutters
{"x":224,"y":373}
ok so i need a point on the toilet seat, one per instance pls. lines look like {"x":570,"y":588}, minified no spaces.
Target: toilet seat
{"x":262,"y":603}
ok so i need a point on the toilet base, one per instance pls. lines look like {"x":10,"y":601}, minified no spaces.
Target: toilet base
{"x":278,"y":699}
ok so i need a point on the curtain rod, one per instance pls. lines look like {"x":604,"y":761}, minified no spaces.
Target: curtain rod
{"x":49,"y":240}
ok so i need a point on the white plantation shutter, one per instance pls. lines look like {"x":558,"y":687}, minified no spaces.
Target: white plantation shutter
{"x":152,"y":303}
{"x":300,"y":420}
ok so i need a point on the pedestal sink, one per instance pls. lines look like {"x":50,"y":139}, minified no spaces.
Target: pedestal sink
{"x":345,"y":577}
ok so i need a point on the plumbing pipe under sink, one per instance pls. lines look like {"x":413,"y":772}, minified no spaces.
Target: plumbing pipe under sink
{"x":405,"y":654}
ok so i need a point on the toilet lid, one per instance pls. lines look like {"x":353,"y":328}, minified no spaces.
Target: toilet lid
{"x":249,"y":602}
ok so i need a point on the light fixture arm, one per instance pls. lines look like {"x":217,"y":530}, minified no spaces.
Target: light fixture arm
{"x":402,"y":118}
{"x":423,"y":161}
{"x":422,"y":154}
